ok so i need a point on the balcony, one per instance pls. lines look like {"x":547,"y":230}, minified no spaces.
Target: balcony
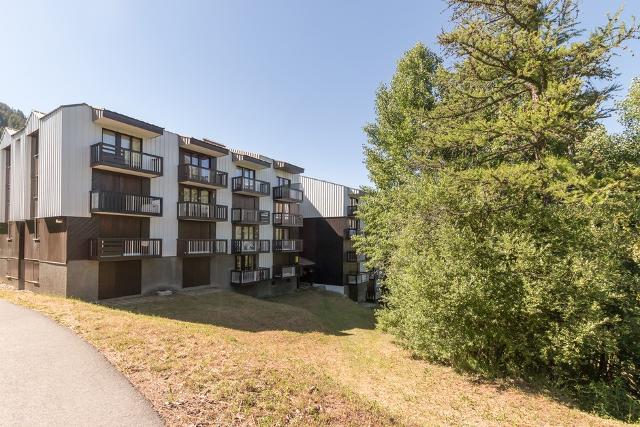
{"x":288,"y":193}
{"x":352,"y":210}
{"x":108,"y":202}
{"x":114,"y":249}
{"x":201,"y":177}
{"x":289,"y":245}
{"x":350,"y":232}
{"x":285,"y":271}
{"x":352,"y":256}
{"x":202,"y":212}
{"x":249,"y":216}
{"x":287,"y":220}
{"x":357,"y":278}
{"x":117,"y":159}
{"x":201,"y":247}
{"x":241,"y":277}
{"x":249,"y":246}
{"x":250,"y":186}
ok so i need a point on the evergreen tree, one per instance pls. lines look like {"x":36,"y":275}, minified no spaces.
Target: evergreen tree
{"x":509,"y":247}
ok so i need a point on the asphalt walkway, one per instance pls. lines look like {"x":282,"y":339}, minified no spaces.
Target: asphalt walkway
{"x":49,"y":376}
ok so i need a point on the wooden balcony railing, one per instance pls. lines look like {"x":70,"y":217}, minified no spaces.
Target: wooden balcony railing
{"x":249,"y":216}
{"x":357,"y":278}
{"x":124,"y":203}
{"x":289,"y":245}
{"x":241,"y":277}
{"x":124,"y":248}
{"x":351,"y":210}
{"x":285,"y":271}
{"x":288,"y":193}
{"x":287,"y":220}
{"x":197,"y":175}
{"x":249,"y":246}
{"x":201,"y":247}
{"x":112,"y":157}
{"x":202,"y":211}
{"x":250,"y":186}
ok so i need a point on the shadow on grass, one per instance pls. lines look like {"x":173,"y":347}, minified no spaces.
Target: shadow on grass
{"x":303,"y":312}
{"x":611,"y":401}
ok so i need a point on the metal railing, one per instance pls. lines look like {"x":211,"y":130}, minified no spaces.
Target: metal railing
{"x":357,"y":278}
{"x":249,"y":216}
{"x":124,"y":203}
{"x":125,"y":158}
{"x":250,"y":185}
{"x":288,"y":193}
{"x":288,"y":245}
{"x":250,"y":276}
{"x":205,"y":176}
{"x":115,"y":248}
{"x":202,"y":211}
{"x":285,"y":271}
{"x":353,"y":256}
{"x":249,"y":246}
{"x":350,"y":232}
{"x":192,"y":247}
{"x":287,"y":220}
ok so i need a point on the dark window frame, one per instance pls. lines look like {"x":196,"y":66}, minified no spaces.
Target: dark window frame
{"x":118,"y":140}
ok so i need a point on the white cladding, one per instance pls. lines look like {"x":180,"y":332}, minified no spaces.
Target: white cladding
{"x":325,"y":199}
{"x":165,"y":186}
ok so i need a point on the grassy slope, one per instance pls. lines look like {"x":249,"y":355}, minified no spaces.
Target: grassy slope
{"x":308,"y":358}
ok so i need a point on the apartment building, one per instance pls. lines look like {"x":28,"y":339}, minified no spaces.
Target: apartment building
{"x":99,"y":205}
{"x":330,"y":223}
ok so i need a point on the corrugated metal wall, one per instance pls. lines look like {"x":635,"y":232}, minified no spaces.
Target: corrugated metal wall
{"x":223,"y":197}
{"x":50,"y":166}
{"x":165,"y":186}
{"x":323,"y":199}
{"x":78,"y":134}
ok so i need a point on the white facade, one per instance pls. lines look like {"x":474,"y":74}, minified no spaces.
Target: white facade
{"x":325,"y":199}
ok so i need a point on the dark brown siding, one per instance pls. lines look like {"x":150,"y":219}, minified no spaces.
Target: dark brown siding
{"x":244,"y":202}
{"x":79,"y":231}
{"x":118,"y":279}
{"x":122,"y":226}
{"x":196,"y":230}
{"x":324,"y":245}
{"x":195,"y":271}
{"x":120,"y":183}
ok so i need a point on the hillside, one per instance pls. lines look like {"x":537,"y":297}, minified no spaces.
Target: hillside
{"x":10,"y":117}
{"x":311,"y":358}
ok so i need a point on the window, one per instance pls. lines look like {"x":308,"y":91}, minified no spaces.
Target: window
{"x":245,"y":232}
{"x":121,"y":140}
{"x":197,"y":195}
{"x":196,"y":159}
{"x":280,"y":207}
{"x":281,"y":233}
{"x":246,"y":262}
{"x":353,"y":223}
{"x":284,"y":181}
{"x":353,"y":201}
{"x":248,"y":173}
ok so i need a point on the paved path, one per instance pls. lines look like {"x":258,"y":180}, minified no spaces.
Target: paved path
{"x":49,"y":376}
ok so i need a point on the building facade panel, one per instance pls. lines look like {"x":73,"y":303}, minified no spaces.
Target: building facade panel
{"x":50,"y":165}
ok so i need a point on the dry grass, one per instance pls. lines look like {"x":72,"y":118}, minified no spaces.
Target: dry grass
{"x":306,"y":359}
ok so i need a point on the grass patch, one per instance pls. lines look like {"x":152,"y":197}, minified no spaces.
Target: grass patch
{"x":311,"y":358}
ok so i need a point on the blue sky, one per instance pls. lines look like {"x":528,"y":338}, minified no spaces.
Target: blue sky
{"x":294,"y":80}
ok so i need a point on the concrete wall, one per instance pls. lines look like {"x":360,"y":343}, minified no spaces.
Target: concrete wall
{"x":53,"y":280}
{"x":82,"y":279}
{"x":161,"y":273}
{"x":221,"y":266}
